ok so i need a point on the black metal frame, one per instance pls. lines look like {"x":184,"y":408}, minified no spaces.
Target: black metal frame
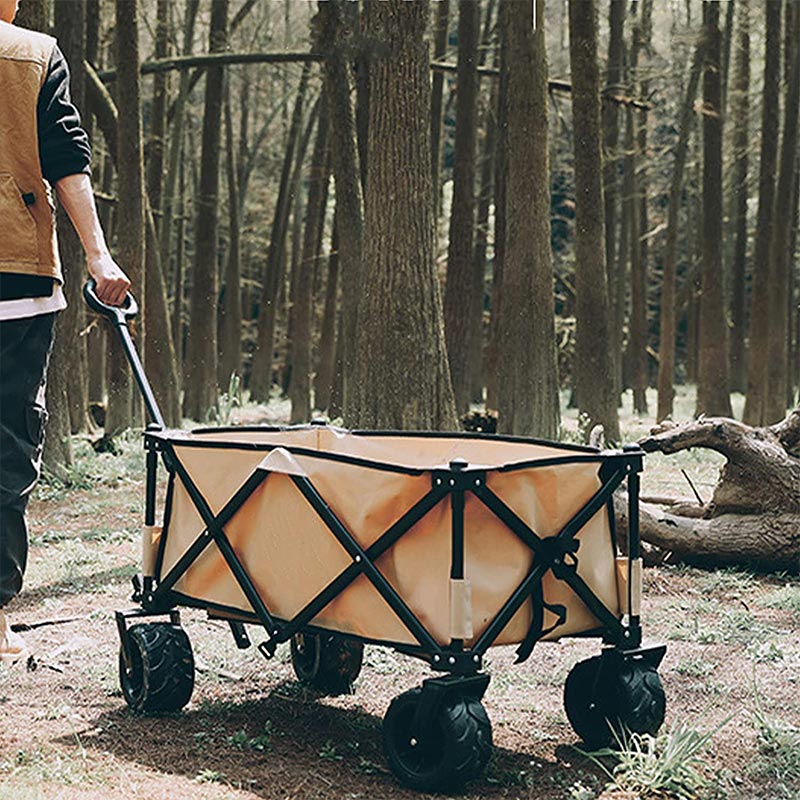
{"x":556,"y":553}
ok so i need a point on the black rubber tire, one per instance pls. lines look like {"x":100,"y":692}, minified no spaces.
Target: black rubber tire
{"x":604,"y":698}
{"x":328,"y":662}
{"x":456,"y":750}
{"x":161,"y":676}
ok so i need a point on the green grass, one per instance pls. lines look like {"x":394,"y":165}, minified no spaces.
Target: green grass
{"x":787,"y":598}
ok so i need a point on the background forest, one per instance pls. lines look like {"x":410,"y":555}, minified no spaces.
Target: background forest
{"x":395,"y":213}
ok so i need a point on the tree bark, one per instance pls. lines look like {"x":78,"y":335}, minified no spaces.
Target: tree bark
{"x":335,"y":43}
{"x":461,"y":307}
{"x":326,"y":361}
{"x":230,"y":341}
{"x":73,"y":374}
{"x":595,"y":383}
{"x":758,"y":350}
{"x":402,"y":377}
{"x":780,"y":257}
{"x":439,"y":52}
{"x":528,"y":402}
{"x":300,"y":386}
{"x":610,"y":121}
{"x":740,"y":114}
{"x":200,"y":375}
{"x":712,"y":379}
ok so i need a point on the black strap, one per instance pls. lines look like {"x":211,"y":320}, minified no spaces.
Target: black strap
{"x":537,"y":629}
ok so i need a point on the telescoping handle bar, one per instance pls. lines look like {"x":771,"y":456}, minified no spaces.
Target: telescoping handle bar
{"x":119,"y":316}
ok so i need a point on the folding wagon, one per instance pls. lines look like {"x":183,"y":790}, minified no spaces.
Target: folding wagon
{"x":437,"y":545}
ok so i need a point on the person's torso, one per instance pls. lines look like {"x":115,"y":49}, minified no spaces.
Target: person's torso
{"x":28,"y":242}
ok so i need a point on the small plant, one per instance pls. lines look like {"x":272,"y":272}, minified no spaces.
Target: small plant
{"x":668,"y":765}
{"x":222,"y":411}
{"x":329,"y":752}
{"x":779,"y":746}
{"x":762,"y":652}
{"x":209,"y":776}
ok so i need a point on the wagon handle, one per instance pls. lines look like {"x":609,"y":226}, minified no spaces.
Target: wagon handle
{"x":119,"y":316}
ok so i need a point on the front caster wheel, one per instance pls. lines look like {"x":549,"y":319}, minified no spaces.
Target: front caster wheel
{"x":328,"y":662}
{"x":453,"y":749}
{"x":160,"y":676}
{"x":605,"y":697}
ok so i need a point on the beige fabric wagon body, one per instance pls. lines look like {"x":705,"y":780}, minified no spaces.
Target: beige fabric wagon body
{"x":369,"y":482}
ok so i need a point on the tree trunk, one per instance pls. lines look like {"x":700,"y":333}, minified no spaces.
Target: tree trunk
{"x":130,"y":205}
{"x":610,"y":121}
{"x":261,"y":376}
{"x":528,"y":402}
{"x":758,"y":350}
{"x":439,"y":53}
{"x":300,"y":386}
{"x":70,"y":29}
{"x":712,"y":378}
{"x":594,"y":367}
{"x":34,"y":15}
{"x":740,"y":115}
{"x":230,"y":343}
{"x":200,"y":375}
{"x":158,"y":116}
{"x":402,"y":377}
{"x":461,"y":307}
{"x":335,"y":45}
{"x":326,"y":362}
{"x":780,"y":257}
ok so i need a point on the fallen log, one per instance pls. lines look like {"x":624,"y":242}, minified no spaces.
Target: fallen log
{"x":753,"y":517}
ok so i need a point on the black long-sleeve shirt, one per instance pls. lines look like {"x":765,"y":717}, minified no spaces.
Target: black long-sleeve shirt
{"x":63,"y":150}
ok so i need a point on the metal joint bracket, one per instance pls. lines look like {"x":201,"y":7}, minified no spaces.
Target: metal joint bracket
{"x":458,"y":481}
{"x":267,"y":648}
{"x":458,"y":664}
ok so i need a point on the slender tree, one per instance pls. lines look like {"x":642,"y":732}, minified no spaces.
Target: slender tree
{"x":594,"y":366}
{"x":462,"y":308}
{"x":200,"y":375}
{"x":667,"y":315}
{"x":402,"y":377}
{"x":713,"y":396}
{"x":780,"y":256}
{"x":441,"y":27}
{"x":740,"y":118}
{"x":758,"y":348}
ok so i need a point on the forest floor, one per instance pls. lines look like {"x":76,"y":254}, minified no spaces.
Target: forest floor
{"x":251,"y":731}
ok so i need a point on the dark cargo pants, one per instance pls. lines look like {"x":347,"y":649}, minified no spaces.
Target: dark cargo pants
{"x":24,"y":352}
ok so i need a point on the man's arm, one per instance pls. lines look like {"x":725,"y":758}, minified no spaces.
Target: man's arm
{"x":75,"y":195}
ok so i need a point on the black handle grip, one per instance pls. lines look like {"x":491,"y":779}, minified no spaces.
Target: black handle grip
{"x":119,"y":315}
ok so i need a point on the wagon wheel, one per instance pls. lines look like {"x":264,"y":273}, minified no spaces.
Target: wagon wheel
{"x":601,"y":702}
{"x":456,"y":748}
{"x":160,"y":677}
{"x":328,"y":662}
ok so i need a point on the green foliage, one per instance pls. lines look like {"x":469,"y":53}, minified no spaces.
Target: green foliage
{"x":779,"y":748}
{"x":667,"y":765}
{"x":786,"y":598}
{"x":222,"y":412}
{"x":242,"y":741}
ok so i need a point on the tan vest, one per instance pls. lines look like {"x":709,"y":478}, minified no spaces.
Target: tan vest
{"x":27,"y":222}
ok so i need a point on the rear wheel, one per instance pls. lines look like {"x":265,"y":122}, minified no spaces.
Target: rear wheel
{"x":328,"y":662}
{"x":604,"y":697}
{"x":160,"y":675}
{"x":455,"y":747}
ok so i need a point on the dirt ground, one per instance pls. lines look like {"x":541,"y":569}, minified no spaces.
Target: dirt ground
{"x":251,"y":731}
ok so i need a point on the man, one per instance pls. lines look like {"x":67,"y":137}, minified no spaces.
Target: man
{"x":42,"y":145}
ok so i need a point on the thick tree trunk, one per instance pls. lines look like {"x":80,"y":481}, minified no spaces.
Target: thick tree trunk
{"x":403,"y":381}
{"x":740,"y":116}
{"x":712,"y":378}
{"x":461,"y":306}
{"x":528,"y":402}
{"x":594,"y":365}
{"x":780,"y":257}
{"x":200,"y":374}
{"x":758,"y":351}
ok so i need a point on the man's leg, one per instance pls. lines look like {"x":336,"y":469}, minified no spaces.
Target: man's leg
{"x":24,"y":351}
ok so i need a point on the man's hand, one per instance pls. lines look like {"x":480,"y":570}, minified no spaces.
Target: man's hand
{"x":112,"y":283}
